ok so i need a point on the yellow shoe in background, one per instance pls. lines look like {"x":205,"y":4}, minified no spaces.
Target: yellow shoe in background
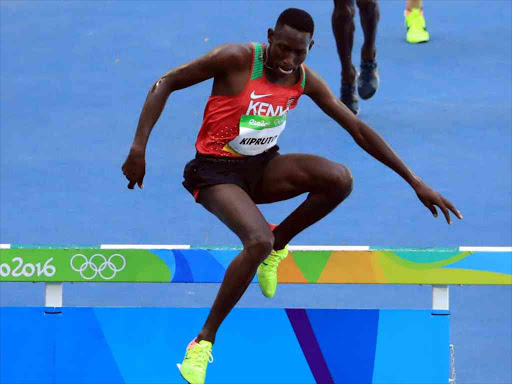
{"x":416,"y":26}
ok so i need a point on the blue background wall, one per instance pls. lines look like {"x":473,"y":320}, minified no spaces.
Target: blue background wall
{"x":74,"y":76}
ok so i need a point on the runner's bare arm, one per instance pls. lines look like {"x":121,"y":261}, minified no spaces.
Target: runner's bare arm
{"x":215,"y":64}
{"x":373,"y":143}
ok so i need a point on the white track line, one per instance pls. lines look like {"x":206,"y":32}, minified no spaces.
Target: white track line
{"x":144,"y":246}
{"x":485,"y":249}
{"x":329,"y":248}
{"x":292,"y":247}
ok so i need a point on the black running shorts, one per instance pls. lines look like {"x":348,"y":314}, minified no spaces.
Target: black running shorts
{"x":246,"y":172}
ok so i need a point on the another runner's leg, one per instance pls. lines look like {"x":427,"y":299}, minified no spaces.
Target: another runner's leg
{"x":343,"y":28}
{"x":369,"y":15}
{"x":368,"y":80}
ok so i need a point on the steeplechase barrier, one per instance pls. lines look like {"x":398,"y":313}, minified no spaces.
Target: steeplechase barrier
{"x":59,"y":344}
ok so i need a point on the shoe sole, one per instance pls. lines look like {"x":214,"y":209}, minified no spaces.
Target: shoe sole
{"x":366,"y":97}
{"x":179,"y":369}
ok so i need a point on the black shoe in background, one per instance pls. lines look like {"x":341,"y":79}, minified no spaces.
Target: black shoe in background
{"x":349,"y":98}
{"x":368,"y":80}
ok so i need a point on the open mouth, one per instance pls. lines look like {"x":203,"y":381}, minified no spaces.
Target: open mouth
{"x":286,"y":72}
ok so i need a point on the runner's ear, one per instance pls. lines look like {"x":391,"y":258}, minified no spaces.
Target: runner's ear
{"x":270,"y":34}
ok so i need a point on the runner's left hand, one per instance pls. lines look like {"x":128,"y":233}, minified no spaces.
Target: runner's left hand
{"x":431,"y":198}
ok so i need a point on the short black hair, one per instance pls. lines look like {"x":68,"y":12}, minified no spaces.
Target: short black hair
{"x":297,"y":19}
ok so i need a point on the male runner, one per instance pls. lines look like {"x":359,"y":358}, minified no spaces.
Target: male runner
{"x":238,"y":164}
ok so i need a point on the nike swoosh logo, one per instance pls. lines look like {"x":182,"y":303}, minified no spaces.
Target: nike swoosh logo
{"x":255,"y":96}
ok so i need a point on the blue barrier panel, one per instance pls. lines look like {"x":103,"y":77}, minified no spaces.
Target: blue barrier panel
{"x":27,"y":346}
{"x":142,"y":345}
{"x":409,"y":341}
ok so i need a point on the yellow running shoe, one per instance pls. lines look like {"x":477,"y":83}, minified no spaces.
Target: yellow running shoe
{"x":197,"y":357}
{"x":267,"y":272}
{"x":416,"y":26}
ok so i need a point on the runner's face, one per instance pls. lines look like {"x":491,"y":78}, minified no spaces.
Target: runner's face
{"x":288,"y":49}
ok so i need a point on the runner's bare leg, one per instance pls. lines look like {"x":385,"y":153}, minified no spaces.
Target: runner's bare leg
{"x":237,"y":211}
{"x":328,"y":184}
{"x":343,"y":28}
{"x":286,"y":176}
{"x":369,"y":15}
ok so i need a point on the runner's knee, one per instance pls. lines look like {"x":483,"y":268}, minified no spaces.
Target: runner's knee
{"x":339,"y":181}
{"x":259,"y":245}
{"x":343,"y":11}
{"x":367,"y":5}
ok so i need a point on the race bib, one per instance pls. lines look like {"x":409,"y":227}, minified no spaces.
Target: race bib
{"x":257,"y":134}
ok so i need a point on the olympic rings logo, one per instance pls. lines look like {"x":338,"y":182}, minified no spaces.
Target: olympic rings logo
{"x":97,"y":264}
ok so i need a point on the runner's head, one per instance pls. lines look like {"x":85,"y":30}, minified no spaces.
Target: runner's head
{"x":290,"y":41}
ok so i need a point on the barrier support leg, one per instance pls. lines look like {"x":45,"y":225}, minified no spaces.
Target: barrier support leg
{"x":440,"y":297}
{"x":53,"y":295}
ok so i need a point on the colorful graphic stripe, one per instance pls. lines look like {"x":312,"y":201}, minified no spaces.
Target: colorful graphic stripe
{"x":309,"y":344}
{"x":91,"y":345}
{"x":196,"y":265}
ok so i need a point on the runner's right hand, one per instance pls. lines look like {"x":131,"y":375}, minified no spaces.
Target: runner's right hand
{"x":134,"y":168}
